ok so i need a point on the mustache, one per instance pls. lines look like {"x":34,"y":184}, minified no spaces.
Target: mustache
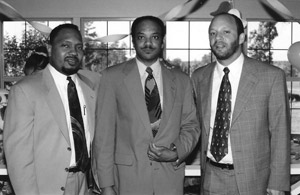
{"x":148,"y":47}
{"x":72,"y":57}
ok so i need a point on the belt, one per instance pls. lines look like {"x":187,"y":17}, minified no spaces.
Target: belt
{"x":220,"y":165}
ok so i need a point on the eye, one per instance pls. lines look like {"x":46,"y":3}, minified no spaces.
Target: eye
{"x":80,"y":47}
{"x":156,"y":37}
{"x":226,"y":32}
{"x":212,"y":33}
{"x":140,"y":37}
{"x":65,"y":45}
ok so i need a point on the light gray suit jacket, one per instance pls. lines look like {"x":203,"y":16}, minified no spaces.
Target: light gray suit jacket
{"x":260,"y":127}
{"x":36,"y":137}
{"x":123,"y":131}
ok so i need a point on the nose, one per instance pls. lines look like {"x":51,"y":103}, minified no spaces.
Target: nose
{"x":219,"y":36}
{"x":148,"y":41}
{"x":73,"y":51}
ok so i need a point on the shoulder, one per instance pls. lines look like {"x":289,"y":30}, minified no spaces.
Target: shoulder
{"x":262,"y":67}
{"x":92,"y":76}
{"x":30,"y":81}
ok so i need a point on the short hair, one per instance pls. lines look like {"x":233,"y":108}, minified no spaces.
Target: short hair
{"x":57,"y":29}
{"x":238,"y":22}
{"x":154,"y":19}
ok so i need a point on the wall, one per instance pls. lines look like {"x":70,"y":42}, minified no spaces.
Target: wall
{"x":251,"y":9}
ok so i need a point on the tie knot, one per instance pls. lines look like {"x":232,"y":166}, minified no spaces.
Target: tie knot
{"x":226,"y":70}
{"x":69,"y":78}
{"x":149,"y":70}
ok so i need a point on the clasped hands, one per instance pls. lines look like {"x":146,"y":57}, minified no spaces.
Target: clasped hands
{"x":161,"y":153}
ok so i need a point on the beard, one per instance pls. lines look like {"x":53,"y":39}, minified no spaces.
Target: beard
{"x":229,"y":51}
{"x":70,"y":71}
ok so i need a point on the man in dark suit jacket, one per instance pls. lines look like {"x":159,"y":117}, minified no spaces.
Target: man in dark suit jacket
{"x":257,"y":160}
{"x":38,"y":139}
{"x":130,"y":159}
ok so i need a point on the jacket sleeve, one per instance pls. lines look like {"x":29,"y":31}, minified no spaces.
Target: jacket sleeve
{"x":18,"y":142}
{"x":189,"y":129}
{"x":280,"y":130}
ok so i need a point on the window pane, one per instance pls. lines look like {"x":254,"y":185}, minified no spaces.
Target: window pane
{"x":95,"y":29}
{"x":20,"y":38}
{"x":261,"y":34}
{"x":296,"y":121}
{"x":294,"y":94}
{"x":296,"y":32}
{"x":262,"y":55}
{"x":179,"y":58}
{"x":284,"y":38}
{"x":117,"y":27}
{"x":280,"y":59}
{"x":199,"y":35}
{"x":13,"y":32}
{"x":95,"y":60}
{"x":199,"y":58}
{"x":177,"y":35}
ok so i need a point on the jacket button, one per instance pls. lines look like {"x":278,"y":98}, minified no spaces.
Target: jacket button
{"x":151,"y":163}
{"x":62,"y":188}
{"x":69,"y":148}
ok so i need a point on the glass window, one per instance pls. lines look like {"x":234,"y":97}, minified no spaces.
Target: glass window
{"x":20,"y":39}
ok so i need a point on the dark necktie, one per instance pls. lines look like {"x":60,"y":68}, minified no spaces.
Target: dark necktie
{"x":81,"y":153}
{"x":219,"y":143}
{"x":152,"y":100}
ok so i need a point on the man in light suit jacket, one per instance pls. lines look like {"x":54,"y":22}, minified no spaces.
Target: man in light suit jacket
{"x":257,"y":160}
{"x":38,"y":139}
{"x":130,"y":159}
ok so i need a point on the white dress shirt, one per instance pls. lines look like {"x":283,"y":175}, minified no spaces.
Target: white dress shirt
{"x":156,"y":74}
{"x":61,"y":83}
{"x":234,"y":78}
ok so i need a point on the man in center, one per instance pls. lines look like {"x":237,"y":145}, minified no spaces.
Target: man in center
{"x":146,"y":120}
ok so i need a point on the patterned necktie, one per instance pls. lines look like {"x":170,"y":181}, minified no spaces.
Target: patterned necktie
{"x":81,"y":153}
{"x":152,"y":101}
{"x":219,"y":143}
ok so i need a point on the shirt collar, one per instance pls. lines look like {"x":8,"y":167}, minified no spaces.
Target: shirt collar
{"x":142,"y":68}
{"x":235,"y":67}
{"x":59,"y":77}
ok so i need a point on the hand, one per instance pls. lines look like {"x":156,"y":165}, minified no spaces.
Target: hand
{"x":161,"y":153}
{"x":274,"y":192}
{"x":108,"y":191}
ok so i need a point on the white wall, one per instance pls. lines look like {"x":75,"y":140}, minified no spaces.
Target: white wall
{"x":251,"y":9}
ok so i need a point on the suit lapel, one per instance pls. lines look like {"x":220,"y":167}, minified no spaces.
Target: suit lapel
{"x":55,"y":104}
{"x":88,"y":90}
{"x":169,"y":92}
{"x":133,"y":84}
{"x":247,"y":83}
{"x":206,"y":93}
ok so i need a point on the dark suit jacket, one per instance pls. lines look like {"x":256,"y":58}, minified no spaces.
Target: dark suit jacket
{"x":36,"y":137}
{"x":123,"y":132}
{"x":260,"y":127}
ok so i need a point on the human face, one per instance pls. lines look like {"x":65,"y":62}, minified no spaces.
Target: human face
{"x":224,"y":40}
{"x":66,"y":52}
{"x":148,"y":42}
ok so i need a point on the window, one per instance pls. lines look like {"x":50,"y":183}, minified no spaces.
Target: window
{"x":19,"y":40}
{"x":187,"y":48}
{"x":100,"y":55}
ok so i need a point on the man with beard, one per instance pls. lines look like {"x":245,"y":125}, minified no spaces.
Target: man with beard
{"x":245,"y":141}
{"x":47,"y":143}
{"x":146,"y":120}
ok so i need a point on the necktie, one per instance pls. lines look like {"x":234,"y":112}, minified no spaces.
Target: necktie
{"x":219,"y":143}
{"x":81,"y":153}
{"x":152,"y":101}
